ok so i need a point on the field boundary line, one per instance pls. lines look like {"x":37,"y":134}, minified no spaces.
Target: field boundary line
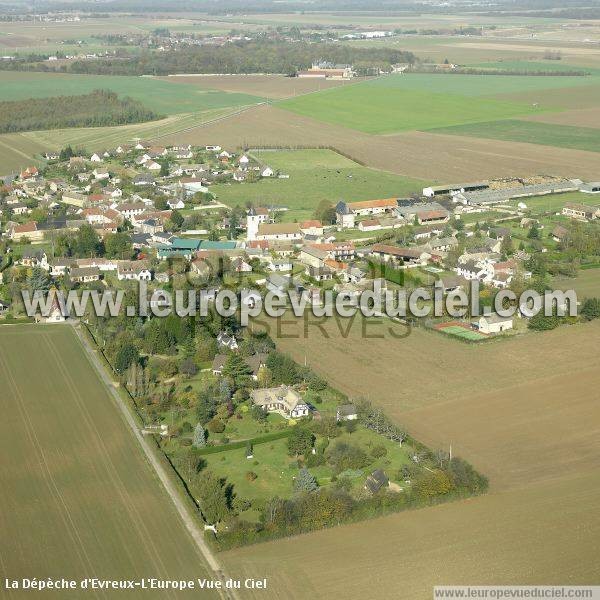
{"x":188,"y":519}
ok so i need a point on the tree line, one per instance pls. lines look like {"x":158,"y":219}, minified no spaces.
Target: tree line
{"x":100,"y":108}
{"x":256,"y":56}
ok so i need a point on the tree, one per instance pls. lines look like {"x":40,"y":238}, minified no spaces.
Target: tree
{"x":258,"y":413}
{"x":39,"y":280}
{"x":347,"y":456}
{"x":125,"y":356}
{"x":534,"y":232}
{"x":506,"y":247}
{"x":325,"y":212}
{"x":432,"y":484}
{"x":305,"y":481}
{"x":118,"y":245}
{"x":300,"y":441}
{"x":176,"y":219}
{"x":188,"y":367}
{"x":87,"y":242}
{"x":237,"y":369}
{"x":212,"y":496}
{"x":199,"y":439}
{"x":206,"y":406}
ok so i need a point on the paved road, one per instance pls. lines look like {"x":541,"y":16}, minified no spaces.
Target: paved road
{"x":189,"y":520}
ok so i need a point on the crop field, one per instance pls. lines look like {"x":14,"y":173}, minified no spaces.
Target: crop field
{"x":421,"y":101}
{"x":563,"y":136}
{"x":525,"y":417}
{"x":79,"y":498}
{"x":582,"y":117}
{"x":315,"y":175}
{"x":156,"y":94}
{"x":420,"y":155}
{"x":17,"y":150}
{"x":386,"y":105}
{"x":265,"y":86}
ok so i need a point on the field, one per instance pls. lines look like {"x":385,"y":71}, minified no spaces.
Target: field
{"x":79,"y":498}
{"x":17,"y":150}
{"x":421,"y":155}
{"x":158,"y":95}
{"x":265,"y":86}
{"x":586,"y":284}
{"x":424,"y":101}
{"x":522,"y":415}
{"x":394,"y":107}
{"x":563,"y":136}
{"x":315,"y":175}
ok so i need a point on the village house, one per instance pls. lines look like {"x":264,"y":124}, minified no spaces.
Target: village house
{"x":129,"y":210}
{"x":60,"y":266}
{"x":346,"y":412}
{"x":226,"y":341}
{"x":279,"y":231}
{"x":282,"y":400}
{"x":346,"y":213}
{"x":84,"y":274}
{"x":396,"y":254}
{"x":376,"y":481}
{"x":494,"y":323}
{"x":28,"y":231}
{"x":33,"y":258}
{"x":313,"y":257}
{"x":312,"y":227}
{"x":560,"y":233}
{"x":133,"y":270}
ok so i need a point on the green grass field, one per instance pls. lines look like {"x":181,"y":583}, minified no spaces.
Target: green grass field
{"x":79,"y":498}
{"x":419,"y":101}
{"x":555,"y":202}
{"x":315,"y":175}
{"x":161,"y":96}
{"x":533,"y":132}
{"x":375,"y":108}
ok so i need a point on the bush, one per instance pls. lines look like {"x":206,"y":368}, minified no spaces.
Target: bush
{"x":251,"y":475}
{"x":378,"y":451}
{"x":216,"y":426}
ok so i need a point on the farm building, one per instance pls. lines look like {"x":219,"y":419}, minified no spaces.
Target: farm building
{"x":444,"y":190}
{"x":424,"y":213}
{"x":580,"y":211}
{"x":279,"y":231}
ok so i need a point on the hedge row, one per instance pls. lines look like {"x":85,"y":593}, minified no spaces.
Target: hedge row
{"x":269,"y":437}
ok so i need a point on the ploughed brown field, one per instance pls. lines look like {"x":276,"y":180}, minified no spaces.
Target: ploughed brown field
{"x":78,"y":496}
{"x":582,"y":117}
{"x":266,"y":86}
{"x":525,"y":411}
{"x":428,"y":156}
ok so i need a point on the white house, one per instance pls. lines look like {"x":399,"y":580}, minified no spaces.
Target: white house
{"x":267,"y":172}
{"x":224,"y":340}
{"x":494,"y":323}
